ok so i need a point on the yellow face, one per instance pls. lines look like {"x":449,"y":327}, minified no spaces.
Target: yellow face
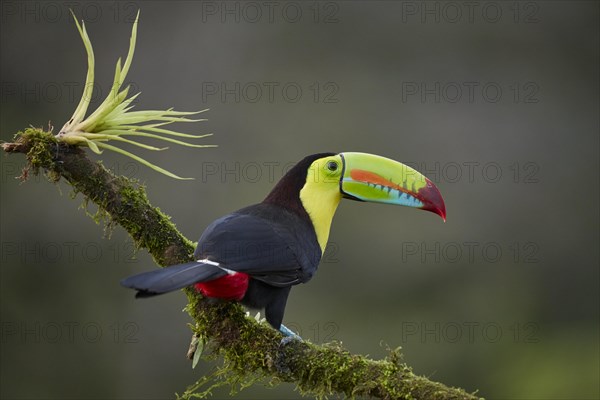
{"x":321,"y":194}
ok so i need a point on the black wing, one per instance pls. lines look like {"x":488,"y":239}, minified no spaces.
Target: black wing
{"x":265,"y":241}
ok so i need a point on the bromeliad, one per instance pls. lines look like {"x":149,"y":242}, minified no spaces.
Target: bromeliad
{"x":113,"y":120}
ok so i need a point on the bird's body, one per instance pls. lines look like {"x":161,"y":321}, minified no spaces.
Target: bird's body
{"x":256,"y":254}
{"x":267,"y":249}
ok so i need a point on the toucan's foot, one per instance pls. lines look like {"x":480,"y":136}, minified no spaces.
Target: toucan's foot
{"x":289,"y":339}
{"x":288,"y":333}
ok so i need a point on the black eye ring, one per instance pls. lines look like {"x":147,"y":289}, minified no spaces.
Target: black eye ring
{"x":332,"y":166}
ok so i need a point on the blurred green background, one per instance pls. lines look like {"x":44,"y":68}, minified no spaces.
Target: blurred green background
{"x":497,"y":102}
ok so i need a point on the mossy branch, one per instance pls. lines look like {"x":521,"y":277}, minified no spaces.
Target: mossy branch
{"x":250,"y":350}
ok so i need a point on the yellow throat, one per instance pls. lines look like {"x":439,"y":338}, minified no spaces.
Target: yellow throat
{"x":321,"y":195}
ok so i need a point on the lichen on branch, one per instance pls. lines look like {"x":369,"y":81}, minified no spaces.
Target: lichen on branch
{"x":250,"y":351}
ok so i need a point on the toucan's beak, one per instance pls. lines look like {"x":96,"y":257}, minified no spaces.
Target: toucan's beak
{"x":368,"y":177}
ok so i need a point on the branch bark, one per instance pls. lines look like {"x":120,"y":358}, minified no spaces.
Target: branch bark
{"x":249,"y":349}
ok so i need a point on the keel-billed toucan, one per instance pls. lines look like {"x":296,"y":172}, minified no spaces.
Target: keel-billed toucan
{"x":256,"y":254}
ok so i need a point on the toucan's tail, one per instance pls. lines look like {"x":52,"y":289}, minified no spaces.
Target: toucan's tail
{"x":172,"y":278}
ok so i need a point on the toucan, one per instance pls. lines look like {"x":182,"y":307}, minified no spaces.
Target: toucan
{"x":256,"y":254}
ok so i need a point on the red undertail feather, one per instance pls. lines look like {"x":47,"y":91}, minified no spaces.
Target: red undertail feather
{"x":228,"y":287}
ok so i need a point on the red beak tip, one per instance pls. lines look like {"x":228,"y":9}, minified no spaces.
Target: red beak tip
{"x":441,"y":214}
{"x":433,"y":199}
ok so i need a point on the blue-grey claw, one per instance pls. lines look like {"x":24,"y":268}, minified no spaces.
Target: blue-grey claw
{"x":288,"y":333}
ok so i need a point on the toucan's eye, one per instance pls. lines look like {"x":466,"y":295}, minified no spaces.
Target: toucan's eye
{"x":332,"y":166}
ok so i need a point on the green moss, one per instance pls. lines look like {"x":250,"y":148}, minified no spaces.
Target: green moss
{"x":40,"y":153}
{"x":243,"y":345}
{"x":251,"y":353}
{"x":41,"y":147}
